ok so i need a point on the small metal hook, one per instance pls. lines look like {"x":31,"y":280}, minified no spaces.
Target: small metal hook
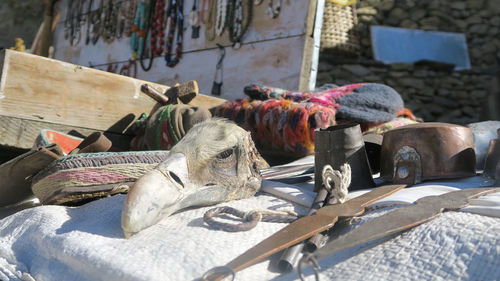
{"x":236,"y":45}
{"x":219,"y":271}
{"x":308,"y":258}
{"x":223,"y":54}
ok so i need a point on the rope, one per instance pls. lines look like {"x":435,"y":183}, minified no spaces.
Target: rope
{"x":342,"y":3}
{"x":336,"y":182}
{"x":250,"y":219}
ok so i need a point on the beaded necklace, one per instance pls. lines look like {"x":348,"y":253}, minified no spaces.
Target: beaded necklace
{"x":157,"y":28}
{"x":120,"y":19}
{"x":130,"y":10}
{"x":89,"y":22}
{"x":126,"y":68}
{"x":236,"y":27}
{"x":220,"y":21}
{"x":109,"y":23}
{"x":204,"y":6}
{"x":194,"y":21}
{"x":274,"y":11}
{"x":73,"y":22}
{"x":153,"y":18}
{"x":176,"y":23}
{"x":96,"y":20}
{"x":139,"y":30}
{"x":210,"y":26}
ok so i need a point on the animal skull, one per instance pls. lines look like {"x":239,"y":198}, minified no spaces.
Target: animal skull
{"x":215,"y":161}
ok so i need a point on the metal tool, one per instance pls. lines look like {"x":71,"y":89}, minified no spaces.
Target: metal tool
{"x":302,"y":229}
{"x":182,"y":93}
{"x":401,"y":219}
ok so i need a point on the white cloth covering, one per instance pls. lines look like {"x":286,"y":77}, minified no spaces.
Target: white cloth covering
{"x":87,"y":243}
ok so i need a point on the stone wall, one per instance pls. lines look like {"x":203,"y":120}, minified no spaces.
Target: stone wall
{"x":429,"y":91}
{"x":19,"y":19}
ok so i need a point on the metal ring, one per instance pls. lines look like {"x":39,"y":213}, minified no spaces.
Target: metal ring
{"x":249,"y":220}
{"x":308,"y":259}
{"x":218,"y":271}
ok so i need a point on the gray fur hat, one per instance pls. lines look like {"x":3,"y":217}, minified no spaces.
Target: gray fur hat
{"x":373,"y":103}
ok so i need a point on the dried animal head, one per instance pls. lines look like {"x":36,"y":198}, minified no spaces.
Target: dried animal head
{"x":215,"y":161}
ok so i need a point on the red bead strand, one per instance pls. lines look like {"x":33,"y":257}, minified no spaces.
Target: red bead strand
{"x":158,"y":28}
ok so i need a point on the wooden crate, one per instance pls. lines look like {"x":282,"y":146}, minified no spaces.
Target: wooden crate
{"x":40,"y":93}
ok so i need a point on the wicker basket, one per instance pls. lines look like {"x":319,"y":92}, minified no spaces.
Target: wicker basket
{"x":339,"y":34}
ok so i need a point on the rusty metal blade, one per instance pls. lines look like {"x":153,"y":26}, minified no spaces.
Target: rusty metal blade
{"x":306,"y":227}
{"x":292,"y":234}
{"x":424,"y":209}
{"x":355,"y":206}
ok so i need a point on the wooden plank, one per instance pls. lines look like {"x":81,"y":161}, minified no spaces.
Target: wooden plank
{"x":21,"y":133}
{"x":240,"y":67}
{"x":42,"y":89}
{"x":307,"y":79}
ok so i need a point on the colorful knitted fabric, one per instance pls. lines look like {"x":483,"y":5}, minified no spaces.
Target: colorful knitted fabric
{"x":166,"y":126}
{"x":279,"y":125}
{"x":325,"y":97}
{"x":88,"y":175}
{"x":283,"y":121}
{"x":362,"y":102}
{"x":384,"y":127}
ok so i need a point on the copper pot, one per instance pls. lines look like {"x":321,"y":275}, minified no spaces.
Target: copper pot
{"x":418,"y":152}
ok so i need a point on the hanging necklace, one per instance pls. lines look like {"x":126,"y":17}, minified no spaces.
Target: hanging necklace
{"x":155,"y":18}
{"x":89,"y":22}
{"x":205,"y":5}
{"x":73,"y":22}
{"x":194,"y":21}
{"x":176,"y":22}
{"x":96,"y":23}
{"x":274,"y":11}
{"x":108,"y":26}
{"x":126,"y":68}
{"x":137,"y":37}
{"x":236,"y":27}
{"x":120,"y":19}
{"x":220,"y":21}
{"x":157,"y":28}
{"x":219,"y":74}
{"x":130,"y":10}
{"x":210,"y":26}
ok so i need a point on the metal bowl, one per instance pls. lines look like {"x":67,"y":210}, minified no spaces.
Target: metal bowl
{"x":425,"y":151}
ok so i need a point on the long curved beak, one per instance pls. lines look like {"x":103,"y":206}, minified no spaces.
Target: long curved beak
{"x":155,"y":194}
{"x":163,"y":191}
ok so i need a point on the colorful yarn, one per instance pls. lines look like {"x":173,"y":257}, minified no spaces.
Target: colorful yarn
{"x":160,"y":129}
{"x":281,"y":126}
{"x":384,"y":127}
{"x":326,"y":97}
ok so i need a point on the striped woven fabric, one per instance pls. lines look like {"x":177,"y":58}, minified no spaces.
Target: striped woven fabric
{"x":85,"y":176}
